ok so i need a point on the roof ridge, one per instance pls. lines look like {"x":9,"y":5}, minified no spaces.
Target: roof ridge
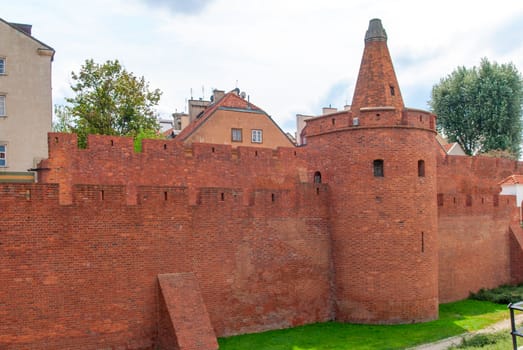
{"x":13,"y":25}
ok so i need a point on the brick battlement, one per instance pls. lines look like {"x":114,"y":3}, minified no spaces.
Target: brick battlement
{"x":123,"y":146}
{"x":117,"y":195}
{"x":489,"y":204}
{"x":370,"y":117}
{"x":83,"y":275}
{"x":111,"y":160}
{"x":474,"y":175}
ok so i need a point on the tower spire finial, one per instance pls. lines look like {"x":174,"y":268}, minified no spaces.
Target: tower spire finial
{"x":375,"y":31}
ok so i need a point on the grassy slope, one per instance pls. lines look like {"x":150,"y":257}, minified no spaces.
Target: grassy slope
{"x":455,"y":318}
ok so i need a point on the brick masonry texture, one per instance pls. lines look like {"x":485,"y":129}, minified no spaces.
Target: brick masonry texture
{"x":186,"y":313}
{"x":269,"y":248}
{"x":116,"y":250}
{"x":84,"y":275}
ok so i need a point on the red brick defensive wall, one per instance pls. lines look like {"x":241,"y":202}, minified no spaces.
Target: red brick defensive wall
{"x":80,"y":260}
{"x":475,"y":249}
{"x":81,"y":253}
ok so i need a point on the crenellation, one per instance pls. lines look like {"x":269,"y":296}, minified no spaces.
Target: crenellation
{"x":476,"y":203}
{"x":160,"y":148}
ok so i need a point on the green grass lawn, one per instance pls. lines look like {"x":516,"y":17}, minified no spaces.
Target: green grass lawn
{"x":455,"y":318}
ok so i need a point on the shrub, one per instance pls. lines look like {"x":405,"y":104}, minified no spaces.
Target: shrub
{"x":502,"y":295}
{"x":495,"y":341}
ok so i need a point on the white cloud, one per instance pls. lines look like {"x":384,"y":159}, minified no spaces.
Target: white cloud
{"x":289,"y":56}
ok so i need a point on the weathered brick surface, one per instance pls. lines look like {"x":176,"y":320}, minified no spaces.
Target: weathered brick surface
{"x":186,"y":312}
{"x":269,"y":248}
{"x":384,"y":229}
{"x":473,"y":220}
{"x":516,"y":254}
{"x":83,"y":275}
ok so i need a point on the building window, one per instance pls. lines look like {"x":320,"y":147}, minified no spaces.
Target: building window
{"x":3,"y":155}
{"x":257,"y":136}
{"x":421,"y":168}
{"x":2,"y":65}
{"x":236,"y":135}
{"x":392,"y":92}
{"x":378,"y":167}
{"x":2,"y":106}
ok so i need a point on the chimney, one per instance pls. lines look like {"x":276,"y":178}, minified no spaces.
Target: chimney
{"x":217,"y":95}
{"x":328,"y":110}
{"x":26,"y":28}
{"x":196,"y":107}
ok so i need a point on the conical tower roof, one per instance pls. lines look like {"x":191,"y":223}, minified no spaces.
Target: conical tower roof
{"x":377,"y":85}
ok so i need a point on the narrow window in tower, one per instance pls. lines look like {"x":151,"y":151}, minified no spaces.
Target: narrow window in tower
{"x":468,"y":201}
{"x":392,"y":92}
{"x":378,"y":167}
{"x":421,"y":168}
{"x":440,"y":199}
{"x":423,"y":242}
{"x":317,"y":177}
{"x":495,"y":200}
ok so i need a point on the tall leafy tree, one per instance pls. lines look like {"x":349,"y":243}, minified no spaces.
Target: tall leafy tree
{"x":111,"y":101}
{"x":481,"y":108}
{"x":64,"y":121}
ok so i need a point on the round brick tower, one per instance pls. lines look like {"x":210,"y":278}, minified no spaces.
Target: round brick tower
{"x":379,"y":159}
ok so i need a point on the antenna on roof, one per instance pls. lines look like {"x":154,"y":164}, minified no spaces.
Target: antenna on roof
{"x":203,"y":92}
{"x":191,"y":94}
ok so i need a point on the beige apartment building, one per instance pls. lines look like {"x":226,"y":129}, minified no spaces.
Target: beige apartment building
{"x":231,"y":119}
{"x":25,"y":101}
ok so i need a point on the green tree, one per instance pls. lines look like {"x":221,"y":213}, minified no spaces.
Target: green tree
{"x":64,"y":120}
{"x":111,"y":101}
{"x":481,"y":108}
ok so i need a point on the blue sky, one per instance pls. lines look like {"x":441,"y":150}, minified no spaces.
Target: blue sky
{"x":292,"y":56}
